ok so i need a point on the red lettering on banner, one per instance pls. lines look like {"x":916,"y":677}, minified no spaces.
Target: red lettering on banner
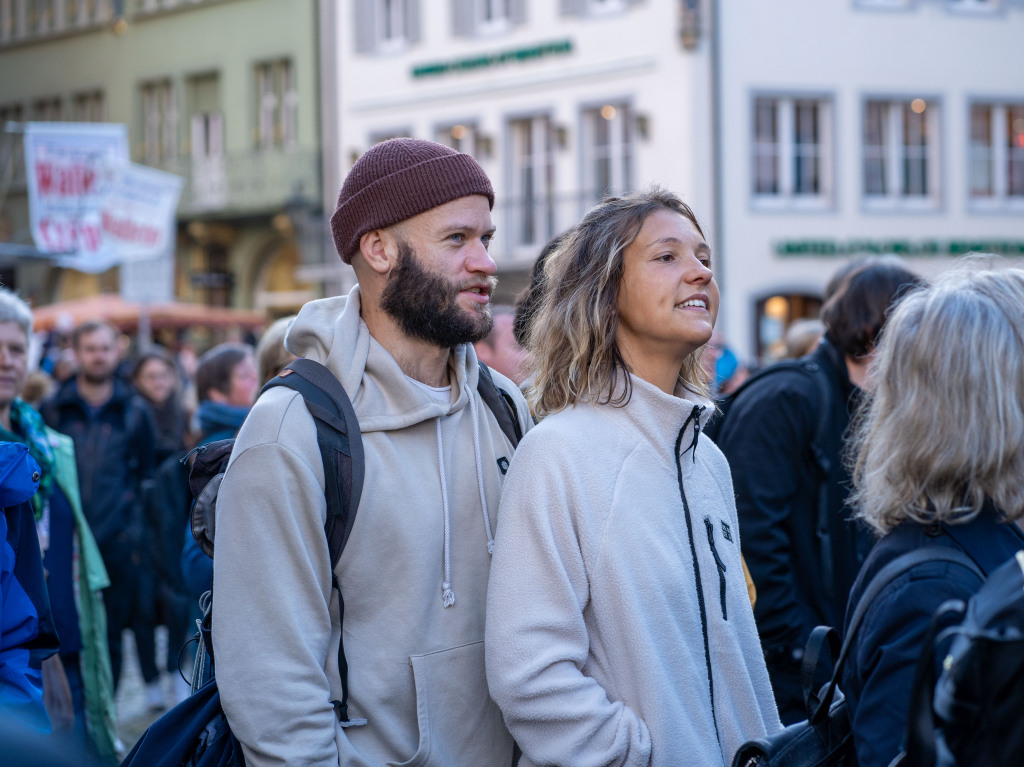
{"x":130,"y":231}
{"x":67,"y":181}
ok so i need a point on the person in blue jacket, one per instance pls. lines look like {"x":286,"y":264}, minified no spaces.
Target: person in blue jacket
{"x":227,"y":383}
{"x":27,"y":636}
{"x":939,"y":461}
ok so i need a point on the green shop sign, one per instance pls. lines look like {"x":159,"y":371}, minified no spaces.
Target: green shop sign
{"x":899,"y":247}
{"x":487,"y":60}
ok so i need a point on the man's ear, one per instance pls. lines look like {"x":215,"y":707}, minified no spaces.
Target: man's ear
{"x":377,"y":249}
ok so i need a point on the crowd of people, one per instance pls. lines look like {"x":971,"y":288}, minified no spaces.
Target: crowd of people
{"x":617,"y":588}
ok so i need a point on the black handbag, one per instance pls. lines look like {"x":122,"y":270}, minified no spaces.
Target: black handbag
{"x":824,"y":739}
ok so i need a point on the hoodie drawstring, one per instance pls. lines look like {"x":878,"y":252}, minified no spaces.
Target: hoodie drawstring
{"x":479,"y":468}
{"x":447,"y":596}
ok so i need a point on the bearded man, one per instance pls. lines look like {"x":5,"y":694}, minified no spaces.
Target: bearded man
{"x":114,"y":434}
{"x":414,"y":220}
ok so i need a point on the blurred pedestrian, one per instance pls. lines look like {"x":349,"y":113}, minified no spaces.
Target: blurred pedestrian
{"x":784,"y":441}
{"x":499,"y":350}
{"x":802,"y":337}
{"x":114,"y":434}
{"x":75,"y":572}
{"x":27,"y":634}
{"x":227,"y":383}
{"x":271,"y":354}
{"x":619,"y":628}
{"x":155,"y":377}
{"x":939,"y":462}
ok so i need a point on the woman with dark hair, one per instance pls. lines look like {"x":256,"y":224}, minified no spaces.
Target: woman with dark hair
{"x":784,"y":438}
{"x":156,"y":378}
{"x":938,"y":462}
{"x":619,"y":630}
{"x":227,"y":383}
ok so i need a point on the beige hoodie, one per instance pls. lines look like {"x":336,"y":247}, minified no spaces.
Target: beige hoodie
{"x":422,"y":532}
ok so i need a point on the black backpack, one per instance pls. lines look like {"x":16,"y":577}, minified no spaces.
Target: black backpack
{"x":971,"y":716}
{"x":825,"y":739}
{"x":196,"y":731}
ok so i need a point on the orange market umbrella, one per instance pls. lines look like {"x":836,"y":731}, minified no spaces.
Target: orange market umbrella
{"x":124,"y":315}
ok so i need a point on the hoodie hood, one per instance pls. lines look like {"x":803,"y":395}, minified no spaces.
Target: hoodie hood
{"x":332,"y":332}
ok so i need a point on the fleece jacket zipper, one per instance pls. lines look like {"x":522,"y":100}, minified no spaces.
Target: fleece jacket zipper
{"x":696,"y":567}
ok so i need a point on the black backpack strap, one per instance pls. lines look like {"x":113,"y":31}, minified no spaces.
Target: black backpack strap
{"x":341,"y":447}
{"x":341,"y":450}
{"x":876,"y":585}
{"x":501,"y":404}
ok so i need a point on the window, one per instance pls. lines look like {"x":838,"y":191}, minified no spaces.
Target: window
{"x":996,"y":172}
{"x":386,"y":26}
{"x":486,"y":17}
{"x":462,"y":137}
{"x":532,"y":181}
{"x":159,"y":122}
{"x":792,"y":150}
{"x":607,"y":144}
{"x":88,"y":107}
{"x":206,"y":133}
{"x":11,"y":154}
{"x":277,"y":105}
{"x":49,"y":109}
{"x":900,"y":153}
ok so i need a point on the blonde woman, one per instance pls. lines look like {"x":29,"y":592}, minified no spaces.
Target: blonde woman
{"x":619,"y":631}
{"x":939,"y":462}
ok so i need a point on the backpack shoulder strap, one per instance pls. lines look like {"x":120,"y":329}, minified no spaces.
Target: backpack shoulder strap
{"x":501,"y":404}
{"x":341,"y":450}
{"x":876,"y":585}
{"x":340,"y":442}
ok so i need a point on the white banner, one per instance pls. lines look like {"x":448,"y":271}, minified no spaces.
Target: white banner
{"x":89,"y":206}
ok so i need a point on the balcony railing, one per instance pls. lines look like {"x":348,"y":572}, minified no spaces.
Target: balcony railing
{"x":246,"y":182}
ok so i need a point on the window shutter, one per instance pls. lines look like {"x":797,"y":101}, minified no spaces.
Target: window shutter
{"x":365,"y":26}
{"x":517,"y":11}
{"x":413,"y":31}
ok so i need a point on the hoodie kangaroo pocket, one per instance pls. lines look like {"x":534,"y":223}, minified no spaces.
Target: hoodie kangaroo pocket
{"x":458,"y":722}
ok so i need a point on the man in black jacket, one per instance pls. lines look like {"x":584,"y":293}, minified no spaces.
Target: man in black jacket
{"x":784,"y":438}
{"x":114,"y":435}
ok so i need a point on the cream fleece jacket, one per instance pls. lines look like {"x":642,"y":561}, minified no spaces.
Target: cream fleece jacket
{"x":609,"y":621}
{"x":416,"y":667}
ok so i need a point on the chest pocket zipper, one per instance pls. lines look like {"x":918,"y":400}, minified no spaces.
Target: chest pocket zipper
{"x":710,"y":526}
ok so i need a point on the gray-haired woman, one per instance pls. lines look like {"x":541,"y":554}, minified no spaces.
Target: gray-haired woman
{"x":939,"y":462}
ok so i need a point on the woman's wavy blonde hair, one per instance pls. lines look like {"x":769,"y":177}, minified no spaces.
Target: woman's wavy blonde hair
{"x":944,"y":428}
{"x":572,"y":337}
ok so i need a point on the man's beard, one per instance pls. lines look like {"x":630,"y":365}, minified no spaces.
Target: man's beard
{"x":97,"y":377}
{"x":425,"y":305}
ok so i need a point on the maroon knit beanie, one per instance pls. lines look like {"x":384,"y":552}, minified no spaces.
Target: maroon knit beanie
{"x":398,"y":179}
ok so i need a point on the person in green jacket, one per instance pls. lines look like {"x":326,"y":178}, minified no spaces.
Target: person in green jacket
{"x":75,"y":571}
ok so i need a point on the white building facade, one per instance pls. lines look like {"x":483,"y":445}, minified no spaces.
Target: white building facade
{"x":561,"y":102}
{"x":852,"y":127}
